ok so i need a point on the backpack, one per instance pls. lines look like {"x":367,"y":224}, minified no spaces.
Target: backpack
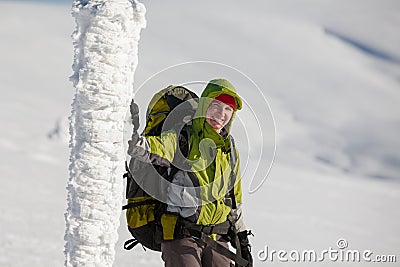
{"x":143,"y":212}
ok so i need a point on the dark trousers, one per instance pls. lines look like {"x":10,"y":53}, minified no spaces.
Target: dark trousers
{"x":191,"y":252}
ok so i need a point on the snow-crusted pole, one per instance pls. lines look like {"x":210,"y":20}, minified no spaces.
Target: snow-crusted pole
{"x":106,"y":46}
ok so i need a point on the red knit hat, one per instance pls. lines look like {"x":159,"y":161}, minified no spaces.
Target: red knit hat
{"x":227,"y":99}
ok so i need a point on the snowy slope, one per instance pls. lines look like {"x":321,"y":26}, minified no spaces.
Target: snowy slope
{"x":335,"y":107}
{"x":326,"y":86}
{"x":35,"y":64}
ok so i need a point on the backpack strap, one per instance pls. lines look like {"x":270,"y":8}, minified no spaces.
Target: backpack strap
{"x":129,"y":178}
{"x":225,"y":251}
{"x":140,"y":203}
{"x":130,"y":244}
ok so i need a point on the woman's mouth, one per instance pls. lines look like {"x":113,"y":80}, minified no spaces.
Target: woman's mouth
{"x":219,"y":121}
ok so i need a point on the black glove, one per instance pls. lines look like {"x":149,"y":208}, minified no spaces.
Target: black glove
{"x":132,"y":150}
{"x":245,"y":247}
{"x":134,"y":139}
{"x":135,"y":115}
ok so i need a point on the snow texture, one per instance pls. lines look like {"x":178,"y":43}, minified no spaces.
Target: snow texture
{"x":106,"y":47}
{"x":336,"y":109}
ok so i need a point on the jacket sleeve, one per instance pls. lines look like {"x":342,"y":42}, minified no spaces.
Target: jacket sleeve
{"x":239,"y":223}
{"x":181,"y":197}
{"x":158,"y":150}
{"x":238,"y":179}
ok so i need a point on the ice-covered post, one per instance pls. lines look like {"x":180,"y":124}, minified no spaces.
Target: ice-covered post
{"x":106,"y":47}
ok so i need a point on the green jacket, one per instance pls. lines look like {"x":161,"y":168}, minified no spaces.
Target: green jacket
{"x":209,"y":155}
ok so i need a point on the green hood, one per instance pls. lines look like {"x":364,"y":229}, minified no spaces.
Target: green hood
{"x":210,"y":152}
{"x":213,"y":89}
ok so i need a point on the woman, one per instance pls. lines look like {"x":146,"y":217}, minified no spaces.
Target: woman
{"x":209,"y":191}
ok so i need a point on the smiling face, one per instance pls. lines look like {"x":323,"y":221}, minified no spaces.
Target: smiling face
{"x":218,"y":115}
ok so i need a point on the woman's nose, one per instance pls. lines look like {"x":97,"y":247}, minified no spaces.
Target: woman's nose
{"x":219,"y":111}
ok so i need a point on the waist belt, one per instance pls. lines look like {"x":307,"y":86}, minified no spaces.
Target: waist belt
{"x":203,"y":231}
{"x":221,"y":228}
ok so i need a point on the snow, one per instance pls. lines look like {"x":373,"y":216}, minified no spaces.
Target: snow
{"x":106,"y":47}
{"x":336,"y":172}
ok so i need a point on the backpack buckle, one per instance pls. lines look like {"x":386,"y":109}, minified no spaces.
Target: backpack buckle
{"x":207,"y":229}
